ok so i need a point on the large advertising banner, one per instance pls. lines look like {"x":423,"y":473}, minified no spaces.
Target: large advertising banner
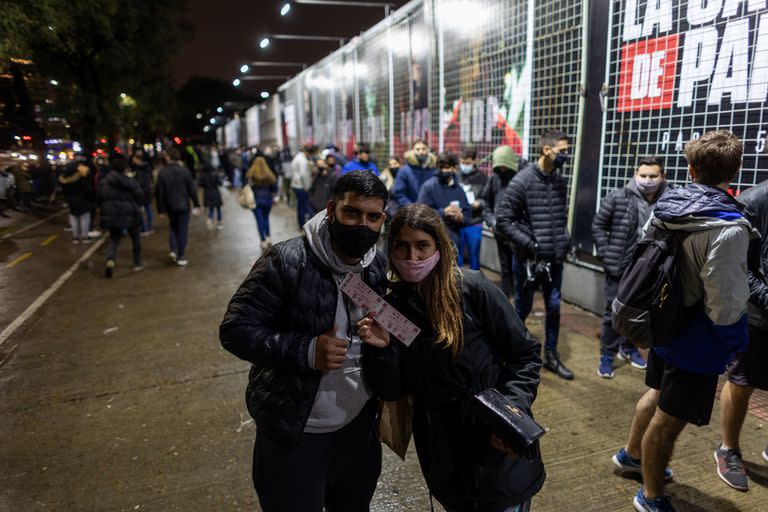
{"x":344,"y":95}
{"x":487,"y":74}
{"x":677,"y":70}
{"x":372,"y":70}
{"x":252,"y":126}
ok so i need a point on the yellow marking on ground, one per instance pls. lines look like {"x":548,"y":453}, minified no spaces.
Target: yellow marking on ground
{"x":19,"y":260}
{"x":48,"y":240}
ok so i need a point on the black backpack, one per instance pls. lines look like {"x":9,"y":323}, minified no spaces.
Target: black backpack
{"x":648,"y":310}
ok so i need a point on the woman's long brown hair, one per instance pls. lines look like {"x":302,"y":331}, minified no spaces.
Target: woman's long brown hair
{"x":441,"y":289}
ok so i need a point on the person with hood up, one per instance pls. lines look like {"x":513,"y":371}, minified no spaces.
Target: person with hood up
{"x":419,"y":167}
{"x":316,"y":438}
{"x":471,"y":340}
{"x":263,"y":182}
{"x":120,"y":198}
{"x":505,"y":163}
{"x":616,"y":229}
{"x":209,"y":181}
{"x":682,"y":375}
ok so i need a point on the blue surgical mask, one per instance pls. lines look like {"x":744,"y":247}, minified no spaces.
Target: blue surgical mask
{"x":466,"y":168}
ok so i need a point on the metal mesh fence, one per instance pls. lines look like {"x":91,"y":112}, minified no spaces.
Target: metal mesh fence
{"x":372,"y":71}
{"x":677,"y":71}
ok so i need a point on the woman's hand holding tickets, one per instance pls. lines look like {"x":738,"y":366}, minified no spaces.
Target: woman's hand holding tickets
{"x":372,"y":333}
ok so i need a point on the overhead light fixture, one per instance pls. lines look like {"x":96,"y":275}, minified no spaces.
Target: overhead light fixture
{"x":285,"y":9}
{"x":207,"y":128}
{"x":54,"y":82}
{"x":264,"y":42}
{"x":212,"y":120}
{"x":199,"y":116}
{"x":236,"y":82}
{"x":244,"y":68}
{"x":264,"y":94}
{"x":219,"y":110}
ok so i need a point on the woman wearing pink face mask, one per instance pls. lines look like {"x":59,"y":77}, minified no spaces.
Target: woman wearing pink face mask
{"x":471,"y":340}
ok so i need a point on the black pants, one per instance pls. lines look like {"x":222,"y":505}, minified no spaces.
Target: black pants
{"x":610,"y":340}
{"x":337,"y":470}
{"x":115,"y":234}
{"x":177,"y":236}
{"x":505,"y":262}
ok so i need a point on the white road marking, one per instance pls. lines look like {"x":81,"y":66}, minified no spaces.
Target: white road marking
{"x":33,"y":225}
{"x":32,"y":309}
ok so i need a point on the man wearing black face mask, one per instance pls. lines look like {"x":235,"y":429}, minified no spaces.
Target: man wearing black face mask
{"x":533,"y":215}
{"x":316,"y":443}
{"x":444,"y":194}
{"x":505,"y":163}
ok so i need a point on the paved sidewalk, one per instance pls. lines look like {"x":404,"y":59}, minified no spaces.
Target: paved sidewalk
{"x":118,"y":397}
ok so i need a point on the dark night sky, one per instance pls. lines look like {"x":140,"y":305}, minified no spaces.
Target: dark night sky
{"x":225,"y":34}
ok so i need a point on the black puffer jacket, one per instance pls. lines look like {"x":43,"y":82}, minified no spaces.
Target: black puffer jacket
{"x":533,"y":214}
{"x":209,"y":182}
{"x":614,"y":228}
{"x":288,"y":298}
{"x":175,"y":189}
{"x":756,"y":201}
{"x":453,"y":447}
{"x":120,"y":196}
{"x":144,"y":176}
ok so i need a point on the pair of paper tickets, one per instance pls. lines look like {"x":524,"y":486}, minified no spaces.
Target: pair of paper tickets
{"x":387,"y":316}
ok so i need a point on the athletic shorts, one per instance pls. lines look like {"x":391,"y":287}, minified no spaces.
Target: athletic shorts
{"x":751,"y":366}
{"x":683,"y":395}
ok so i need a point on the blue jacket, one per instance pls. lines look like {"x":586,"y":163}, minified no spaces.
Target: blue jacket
{"x":437,"y":196}
{"x":713,"y":269}
{"x":357,"y":165}
{"x":411,"y":177}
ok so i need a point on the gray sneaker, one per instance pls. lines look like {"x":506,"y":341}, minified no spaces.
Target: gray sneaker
{"x":730,"y":469}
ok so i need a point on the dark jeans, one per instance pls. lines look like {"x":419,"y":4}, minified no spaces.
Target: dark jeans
{"x":551,"y":293}
{"x":212,"y":209}
{"x":261,"y":212}
{"x":115,"y":234}
{"x":505,"y":262}
{"x":610,"y":340}
{"x":147,"y":218}
{"x":338,"y":470}
{"x":177,"y":237}
{"x":304,"y":210}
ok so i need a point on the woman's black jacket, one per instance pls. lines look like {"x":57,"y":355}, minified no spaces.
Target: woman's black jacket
{"x":120,"y":196}
{"x":461,"y":468}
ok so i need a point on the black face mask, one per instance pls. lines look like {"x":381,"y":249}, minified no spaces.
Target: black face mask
{"x":354,"y":241}
{"x":444,"y":178}
{"x":422,"y":158}
{"x":504,"y":174}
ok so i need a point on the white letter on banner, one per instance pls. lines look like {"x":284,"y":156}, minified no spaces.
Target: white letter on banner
{"x":699,"y":54}
{"x":656,"y":71}
{"x":478,"y":118}
{"x":733,"y":56}
{"x":658,"y":12}
{"x":731,"y":6}
{"x":698,"y":14}
{"x":491,"y":111}
{"x":758,"y":82}
{"x":465,"y":118}
{"x":640,"y":71}
{"x":632,"y":28}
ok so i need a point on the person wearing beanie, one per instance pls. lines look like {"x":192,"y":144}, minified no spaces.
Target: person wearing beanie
{"x":505,"y":164}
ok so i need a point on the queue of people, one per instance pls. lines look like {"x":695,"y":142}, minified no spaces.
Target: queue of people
{"x":322,"y":362}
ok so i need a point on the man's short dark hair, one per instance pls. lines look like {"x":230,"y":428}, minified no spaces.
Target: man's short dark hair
{"x":361,"y":183}
{"x":120,"y":164}
{"x":417,"y":141}
{"x":469,"y":154}
{"x":651,"y":160}
{"x":447,"y":159}
{"x":173,"y":153}
{"x":363,"y":148}
{"x":715,"y":156}
{"x":551,"y":138}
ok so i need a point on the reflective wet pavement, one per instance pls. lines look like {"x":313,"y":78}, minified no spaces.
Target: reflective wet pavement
{"x":117,"y":396}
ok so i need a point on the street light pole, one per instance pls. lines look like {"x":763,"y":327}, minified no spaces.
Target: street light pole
{"x":264,"y":77}
{"x":297,"y":37}
{"x":277,"y":64}
{"x":346,"y":3}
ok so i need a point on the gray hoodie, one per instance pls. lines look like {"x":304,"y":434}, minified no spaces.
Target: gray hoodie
{"x":342,"y":393}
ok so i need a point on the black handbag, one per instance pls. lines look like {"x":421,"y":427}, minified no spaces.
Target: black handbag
{"x":510,"y":423}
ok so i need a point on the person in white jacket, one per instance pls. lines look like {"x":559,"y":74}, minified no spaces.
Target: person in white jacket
{"x":301,"y":183}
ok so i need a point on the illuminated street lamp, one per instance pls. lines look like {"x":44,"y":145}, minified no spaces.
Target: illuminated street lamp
{"x":345,"y":3}
{"x":264,"y":43}
{"x":264,"y":94}
{"x":54,"y":82}
{"x":219,"y":110}
{"x":285,"y":9}
{"x":298,"y":37}
{"x":236,"y":82}
{"x":244,"y":68}
{"x":212,"y":120}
